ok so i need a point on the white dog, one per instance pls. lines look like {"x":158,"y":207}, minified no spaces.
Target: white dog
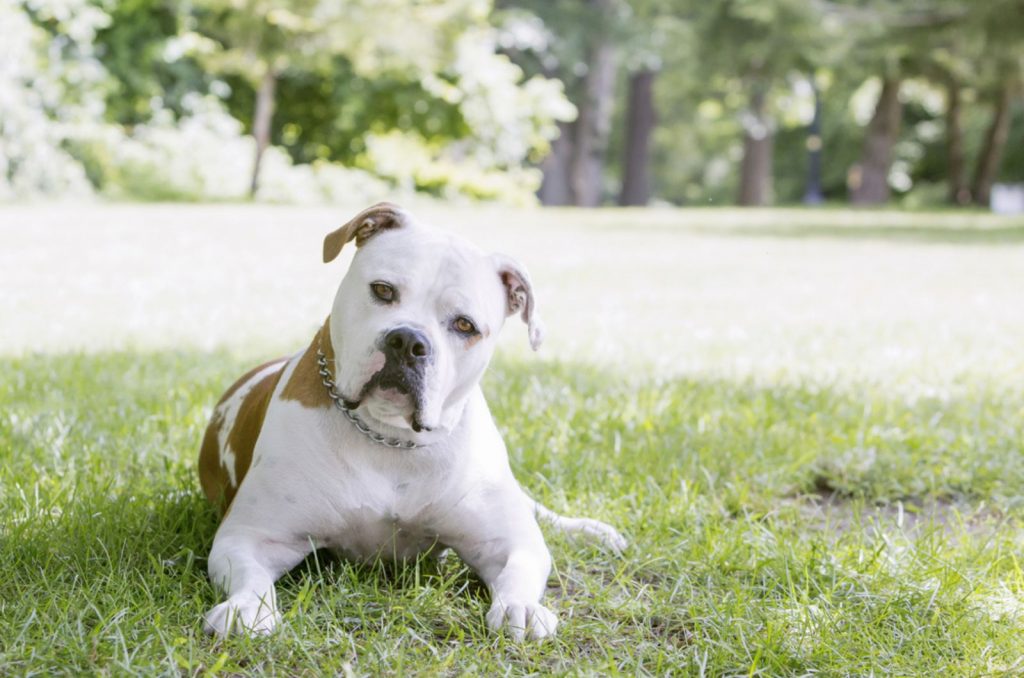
{"x":376,"y":441}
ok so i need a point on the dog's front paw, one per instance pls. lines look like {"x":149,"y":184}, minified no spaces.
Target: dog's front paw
{"x":250,"y":616}
{"x":522,"y":619}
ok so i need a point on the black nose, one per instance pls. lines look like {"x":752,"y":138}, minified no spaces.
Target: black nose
{"x":407,"y":345}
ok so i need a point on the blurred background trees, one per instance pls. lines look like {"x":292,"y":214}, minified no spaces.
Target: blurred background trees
{"x":576,"y":102}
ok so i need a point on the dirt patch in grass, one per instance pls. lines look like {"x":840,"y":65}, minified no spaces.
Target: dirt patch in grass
{"x":911,"y":517}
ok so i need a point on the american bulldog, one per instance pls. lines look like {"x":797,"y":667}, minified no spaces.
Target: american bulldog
{"x":376,"y":440}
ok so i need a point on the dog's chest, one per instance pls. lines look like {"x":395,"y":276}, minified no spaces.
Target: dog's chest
{"x":392,"y":519}
{"x":369,"y":535}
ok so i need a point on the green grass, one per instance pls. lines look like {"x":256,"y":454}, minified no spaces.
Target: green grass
{"x":808,"y":487}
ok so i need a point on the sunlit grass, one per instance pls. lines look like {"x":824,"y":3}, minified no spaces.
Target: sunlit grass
{"x":813,"y":443}
{"x":716,"y":484}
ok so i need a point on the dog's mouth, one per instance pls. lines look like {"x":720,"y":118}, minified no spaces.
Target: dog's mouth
{"x":401,"y":389}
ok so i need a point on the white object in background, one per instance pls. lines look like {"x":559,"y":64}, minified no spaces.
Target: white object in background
{"x":1007,"y":198}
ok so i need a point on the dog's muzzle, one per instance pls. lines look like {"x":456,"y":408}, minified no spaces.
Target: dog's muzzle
{"x":407,"y":354}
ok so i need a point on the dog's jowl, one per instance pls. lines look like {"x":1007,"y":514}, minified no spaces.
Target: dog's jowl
{"x":376,"y":441}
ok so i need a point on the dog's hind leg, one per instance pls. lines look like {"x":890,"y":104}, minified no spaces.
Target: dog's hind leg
{"x":588,"y":528}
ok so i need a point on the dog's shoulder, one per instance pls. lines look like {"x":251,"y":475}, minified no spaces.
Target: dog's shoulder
{"x":231,"y":435}
{"x":305,"y":384}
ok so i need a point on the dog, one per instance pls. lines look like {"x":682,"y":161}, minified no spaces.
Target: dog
{"x":376,"y":440}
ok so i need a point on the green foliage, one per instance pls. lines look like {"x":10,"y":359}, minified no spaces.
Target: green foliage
{"x":759,"y":41}
{"x":482,"y":87}
{"x":711,"y":57}
{"x":118,"y":177}
{"x":49,"y":82}
{"x":326,"y":115}
{"x":130,"y":76}
{"x":134,"y":49}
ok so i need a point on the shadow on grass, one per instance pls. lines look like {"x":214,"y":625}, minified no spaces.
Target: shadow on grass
{"x":755,"y":442}
{"x":577,"y":435}
{"x":105,"y":533}
{"x":152,"y":551}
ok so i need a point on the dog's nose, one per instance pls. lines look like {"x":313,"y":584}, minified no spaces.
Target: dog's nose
{"x":407,"y":345}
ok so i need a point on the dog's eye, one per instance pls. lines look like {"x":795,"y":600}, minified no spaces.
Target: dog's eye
{"x":383,"y":291}
{"x":464,"y":325}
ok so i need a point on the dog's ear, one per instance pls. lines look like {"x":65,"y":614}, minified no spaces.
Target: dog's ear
{"x":362,"y":227}
{"x":519,"y":296}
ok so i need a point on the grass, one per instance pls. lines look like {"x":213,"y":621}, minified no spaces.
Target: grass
{"x":814,"y":445}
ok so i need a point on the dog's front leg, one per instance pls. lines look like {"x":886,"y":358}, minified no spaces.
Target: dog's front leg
{"x":511,"y":557}
{"x":245,"y":563}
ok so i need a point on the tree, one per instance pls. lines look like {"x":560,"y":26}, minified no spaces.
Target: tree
{"x":257,"y":40}
{"x":137,"y":48}
{"x":871,"y":182}
{"x":587,"y":43}
{"x":957,"y":192}
{"x":812,"y":192}
{"x":640,"y":121}
{"x":555,"y":189}
{"x":659,"y":32}
{"x":582,"y":47}
{"x":1001,"y":80}
{"x":951,"y":57}
{"x":441,"y":44}
{"x":593,"y":126}
{"x":972,"y":51}
{"x":757,"y":42}
{"x":930,"y":39}
{"x":991,"y":153}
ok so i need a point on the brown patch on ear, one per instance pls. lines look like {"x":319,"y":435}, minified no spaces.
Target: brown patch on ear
{"x":519,"y":296}
{"x":214,"y":478}
{"x":305,"y":386}
{"x":362,"y":227}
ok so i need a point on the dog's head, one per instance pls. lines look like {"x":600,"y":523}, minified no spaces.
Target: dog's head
{"x":416,"y":318}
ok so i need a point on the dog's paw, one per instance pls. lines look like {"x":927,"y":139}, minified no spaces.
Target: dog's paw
{"x":520,"y":620}
{"x":250,"y":616}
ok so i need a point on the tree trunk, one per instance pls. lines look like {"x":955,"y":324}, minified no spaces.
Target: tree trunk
{"x":959,"y":193}
{"x":593,"y":126}
{"x":871,"y":186}
{"x":261,"y":119}
{"x":640,"y":121}
{"x":756,"y":167}
{"x":554,"y":188}
{"x":991,"y":154}
{"x":812,"y":191}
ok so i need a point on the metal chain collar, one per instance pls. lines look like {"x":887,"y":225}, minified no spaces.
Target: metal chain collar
{"x":325,"y":375}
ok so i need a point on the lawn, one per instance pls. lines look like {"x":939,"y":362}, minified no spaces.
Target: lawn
{"x":809,"y":424}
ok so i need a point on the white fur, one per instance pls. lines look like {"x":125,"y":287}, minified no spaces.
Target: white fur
{"x":316,"y":481}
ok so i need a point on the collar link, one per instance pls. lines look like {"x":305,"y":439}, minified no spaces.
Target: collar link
{"x":332,"y":392}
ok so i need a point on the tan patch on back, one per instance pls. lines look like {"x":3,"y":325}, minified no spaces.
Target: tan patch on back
{"x":213,"y":476}
{"x":305,"y":386}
